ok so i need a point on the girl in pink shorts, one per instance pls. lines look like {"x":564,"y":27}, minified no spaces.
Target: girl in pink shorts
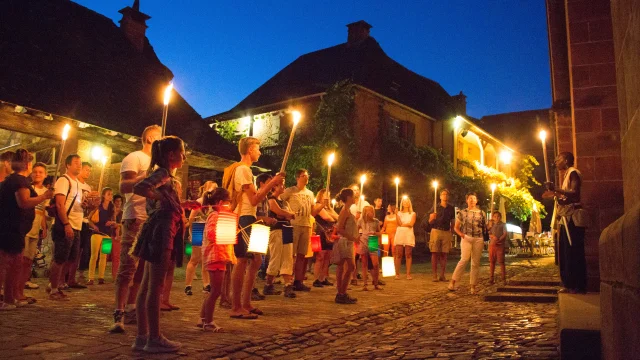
{"x":215,"y":257}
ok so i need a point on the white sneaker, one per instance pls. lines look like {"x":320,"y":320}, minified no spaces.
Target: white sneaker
{"x":140,"y":343}
{"x":4,"y":306}
{"x":31,"y":286}
{"x":161,"y":345}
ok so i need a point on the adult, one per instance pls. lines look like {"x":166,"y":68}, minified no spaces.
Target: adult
{"x":441,"y":237}
{"x":5,"y":164}
{"x":198,"y":216}
{"x":380,"y":212}
{"x":570,"y":221}
{"x":405,"y":239}
{"x":68,"y":223}
{"x":239,"y":178}
{"x":17,"y":212}
{"x":326,"y":220}
{"x":280,"y":254}
{"x":38,"y":230}
{"x":470,"y":225}
{"x":389,"y":227}
{"x":118,"y":201}
{"x":103,"y":221}
{"x":90,"y":201}
{"x":133,"y":169}
{"x":301,"y":203}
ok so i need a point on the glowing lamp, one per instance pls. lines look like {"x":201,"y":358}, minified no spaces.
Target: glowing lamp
{"x":107,"y":245}
{"x":543,"y":135}
{"x":316,"y":244}
{"x":373,"y":242}
{"x":97,"y":153}
{"x":188,"y":249}
{"x":385,"y":239}
{"x":226,"y":228}
{"x":506,"y":157}
{"x":259,"y":239}
{"x":388,"y":266}
{"x":197,"y":232}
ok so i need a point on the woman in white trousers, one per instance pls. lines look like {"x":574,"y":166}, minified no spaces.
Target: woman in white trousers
{"x":470,"y":224}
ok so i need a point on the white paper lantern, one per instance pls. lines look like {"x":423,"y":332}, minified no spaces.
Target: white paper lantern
{"x":388,"y":266}
{"x":226,"y":228}
{"x":385,"y":239}
{"x":259,"y":239}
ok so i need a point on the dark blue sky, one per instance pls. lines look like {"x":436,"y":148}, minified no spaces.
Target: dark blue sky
{"x":496,"y":52}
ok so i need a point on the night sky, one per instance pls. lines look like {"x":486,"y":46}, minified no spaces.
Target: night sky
{"x":496,"y":52}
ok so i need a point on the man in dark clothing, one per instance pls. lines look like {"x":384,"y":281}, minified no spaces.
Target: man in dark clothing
{"x":380,"y":212}
{"x":441,"y":236}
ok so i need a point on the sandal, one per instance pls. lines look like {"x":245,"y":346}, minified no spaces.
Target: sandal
{"x":377,"y":288}
{"x":244,"y":316}
{"x":409,"y":277}
{"x":256,"y":311}
{"x":225,"y":304}
{"x":211,"y":327}
{"x":397,"y":277}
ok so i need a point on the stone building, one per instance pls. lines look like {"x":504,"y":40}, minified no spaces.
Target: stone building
{"x":416,"y":108}
{"x":63,"y":63}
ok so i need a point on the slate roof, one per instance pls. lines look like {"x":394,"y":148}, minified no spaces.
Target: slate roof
{"x":366,"y":64}
{"x":62,"y":58}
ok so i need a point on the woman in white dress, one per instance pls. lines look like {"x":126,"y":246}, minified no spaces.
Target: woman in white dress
{"x":405,"y":239}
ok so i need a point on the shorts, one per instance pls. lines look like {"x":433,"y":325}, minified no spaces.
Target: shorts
{"x":63,"y":249}
{"x":280,"y":255}
{"x":496,"y":253}
{"x":440,"y":241}
{"x":240,"y":248}
{"x":216,"y":266}
{"x":130,"y":268}
{"x":30,"y":247}
{"x":301,"y":239}
{"x":342,"y":249}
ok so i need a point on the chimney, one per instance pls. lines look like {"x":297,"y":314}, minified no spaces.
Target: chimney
{"x":460,"y":103}
{"x":358,"y":32}
{"x":133,"y":24}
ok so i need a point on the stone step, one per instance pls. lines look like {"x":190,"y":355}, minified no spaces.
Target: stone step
{"x":521,"y":297}
{"x":529,"y":289}
{"x":522,"y":282}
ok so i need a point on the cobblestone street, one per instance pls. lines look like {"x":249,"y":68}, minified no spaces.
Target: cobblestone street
{"x":415,"y":319}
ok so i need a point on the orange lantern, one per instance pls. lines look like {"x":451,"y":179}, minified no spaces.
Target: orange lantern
{"x":226,"y":228}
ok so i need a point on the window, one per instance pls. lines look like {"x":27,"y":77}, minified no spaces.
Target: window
{"x":405,"y":130}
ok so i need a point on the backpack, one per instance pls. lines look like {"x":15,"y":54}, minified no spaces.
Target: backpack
{"x":51,"y":208}
{"x":228,"y":183}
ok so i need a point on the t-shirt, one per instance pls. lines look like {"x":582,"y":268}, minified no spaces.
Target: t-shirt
{"x":444,"y":215}
{"x":135,"y":205}
{"x":472,"y":222}
{"x":37,"y":221}
{"x":498,"y":229}
{"x":281,"y":221}
{"x":380,"y":213}
{"x":300,"y":202}
{"x":356,"y":208}
{"x":243,"y":176}
{"x":76,"y":214}
{"x":15,"y":222}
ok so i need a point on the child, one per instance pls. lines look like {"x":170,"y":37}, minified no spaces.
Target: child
{"x":158,"y":240}
{"x":497,"y":236}
{"x":214,"y":257}
{"x":369,"y":226}
{"x":343,"y":254}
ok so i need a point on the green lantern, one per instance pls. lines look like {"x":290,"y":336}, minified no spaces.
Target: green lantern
{"x":107,"y":245}
{"x":373,"y":242}
{"x":188,"y":249}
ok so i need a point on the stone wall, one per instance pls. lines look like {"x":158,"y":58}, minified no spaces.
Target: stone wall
{"x":620,"y":242}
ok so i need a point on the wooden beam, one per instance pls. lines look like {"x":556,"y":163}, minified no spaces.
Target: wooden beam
{"x":41,"y":145}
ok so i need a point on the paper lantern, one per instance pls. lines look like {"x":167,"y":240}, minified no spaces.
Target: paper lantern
{"x":287,"y":234}
{"x":373,"y":242}
{"x":107,"y":245}
{"x":188,"y":249}
{"x":388,"y":266}
{"x":226,"y":228}
{"x":316,"y":244}
{"x":197,"y":232}
{"x":259,"y":239}
{"x":385,"y":239}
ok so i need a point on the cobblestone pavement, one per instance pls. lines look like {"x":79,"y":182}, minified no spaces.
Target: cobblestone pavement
{"x":409,"y":319}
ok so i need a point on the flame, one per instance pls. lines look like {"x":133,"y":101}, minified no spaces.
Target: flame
{"x":543,"y":135}
{"x":296,"y":117}
{"x":332,"y":157}
{"x":167,"y":93}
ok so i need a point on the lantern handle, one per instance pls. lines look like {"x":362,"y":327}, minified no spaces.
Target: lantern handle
{"x":242,"y":229}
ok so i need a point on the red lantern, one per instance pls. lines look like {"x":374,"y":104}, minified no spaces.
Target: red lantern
{"x":226,"y":228}
{"x":316,"y":244}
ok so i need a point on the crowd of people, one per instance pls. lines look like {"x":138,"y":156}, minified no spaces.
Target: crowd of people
{"x":147,"y":225}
